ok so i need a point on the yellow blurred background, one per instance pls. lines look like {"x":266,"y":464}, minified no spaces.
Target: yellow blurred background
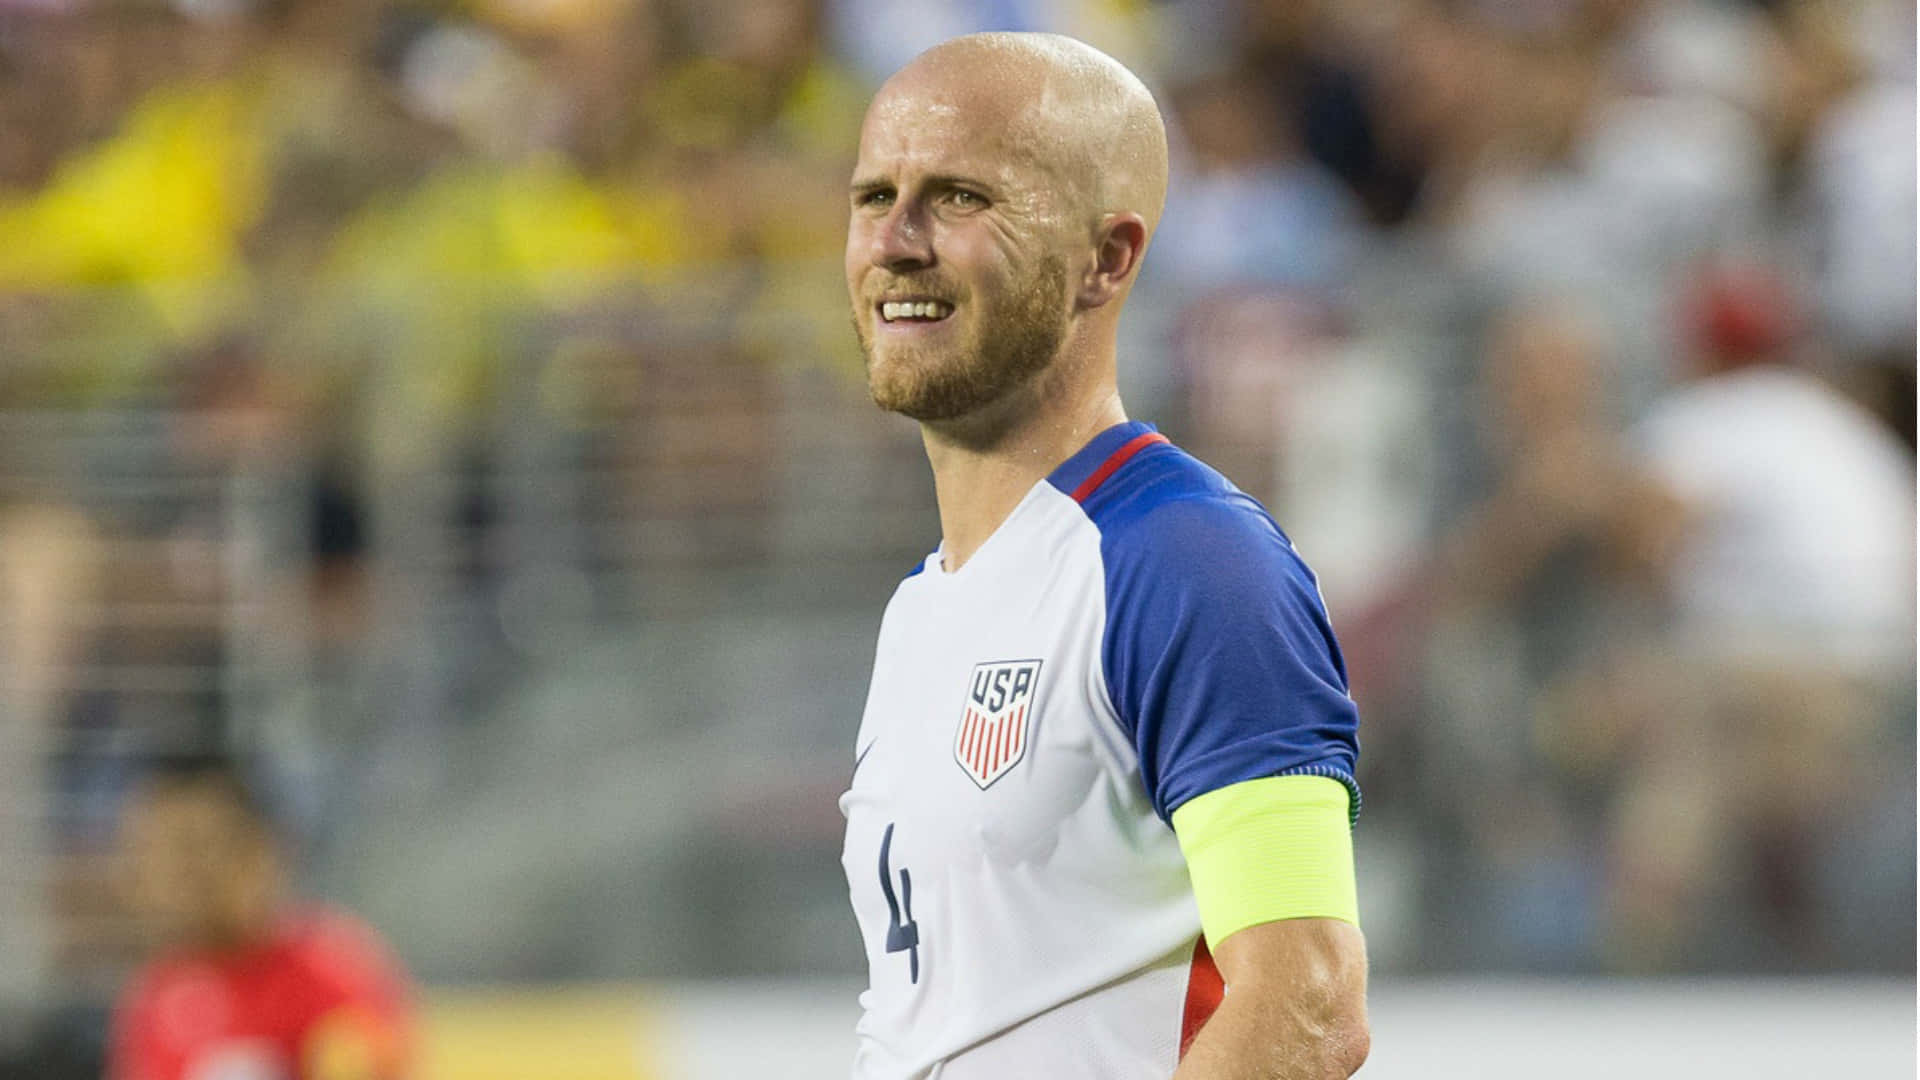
{"x":450,"y":408}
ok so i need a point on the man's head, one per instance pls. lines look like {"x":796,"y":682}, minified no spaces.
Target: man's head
{"x":1006,"y":190}
{"x":204,"y":863}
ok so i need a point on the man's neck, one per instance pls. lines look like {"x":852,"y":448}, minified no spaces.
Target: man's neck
{"x":983,"y":469}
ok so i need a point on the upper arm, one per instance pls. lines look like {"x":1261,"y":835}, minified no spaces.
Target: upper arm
{"x":1220,"y":659}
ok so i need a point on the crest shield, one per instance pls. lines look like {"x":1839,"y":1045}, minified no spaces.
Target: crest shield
{"x":992,"y":736}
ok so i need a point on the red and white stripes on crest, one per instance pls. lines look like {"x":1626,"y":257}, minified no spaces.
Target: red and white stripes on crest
{"x":991,"y":737}
{"x":987,"y":743}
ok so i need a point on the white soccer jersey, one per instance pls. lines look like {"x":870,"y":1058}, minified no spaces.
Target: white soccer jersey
{"x":1136,"y":633}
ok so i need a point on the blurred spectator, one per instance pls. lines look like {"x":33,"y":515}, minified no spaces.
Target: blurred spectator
{"x":160,"y":206}
{"x":1579,"y":188}
{"x":1552,"y":569}
{"x":1854,"y":192}
{"x":1735,"y":743}
{"x":50,"y":585}
{"x":243,"y":981}
{"x":1568,"y":499}
{"x":1246,"y":208}
{"x":1783,"y":560}
{"x":1312,"y":59}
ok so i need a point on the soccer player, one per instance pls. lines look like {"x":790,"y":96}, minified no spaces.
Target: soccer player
{"x":248,"y":986}
{"x":1106,"y":762}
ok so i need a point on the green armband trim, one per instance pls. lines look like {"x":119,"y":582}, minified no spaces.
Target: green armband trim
{"x":1279,"y":847}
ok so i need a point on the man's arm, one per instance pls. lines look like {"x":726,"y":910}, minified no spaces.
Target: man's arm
{"x":1272,"y":867}
{"x":1295,"y":1007}
{"x":1225,"y":671}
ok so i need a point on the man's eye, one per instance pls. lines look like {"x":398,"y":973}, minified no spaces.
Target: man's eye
{"x":967,"y":199}
{"x":876,"y":198}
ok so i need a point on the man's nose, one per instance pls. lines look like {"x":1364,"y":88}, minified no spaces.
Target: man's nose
{"x":901,"y":240}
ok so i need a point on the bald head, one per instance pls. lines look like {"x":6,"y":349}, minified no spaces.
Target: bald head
{"x":1007,"y":187}
{"x":1061,"y":105}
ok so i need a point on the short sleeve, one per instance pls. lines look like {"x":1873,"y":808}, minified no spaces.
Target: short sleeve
{"x":1220,"y":659}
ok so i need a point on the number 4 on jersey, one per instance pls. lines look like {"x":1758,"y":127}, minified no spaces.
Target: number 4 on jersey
{"x":901,"y":936}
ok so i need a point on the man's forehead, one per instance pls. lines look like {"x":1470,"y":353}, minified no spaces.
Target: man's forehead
{"x":940,"y":130}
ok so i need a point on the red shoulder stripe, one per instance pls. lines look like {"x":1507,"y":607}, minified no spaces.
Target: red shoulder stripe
{"x":1112,"y":464}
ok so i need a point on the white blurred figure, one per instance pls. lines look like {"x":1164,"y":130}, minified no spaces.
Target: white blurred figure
{"x":1791,"y":596}
{"x":1614,"y":160}
{"x":1861,"y":179}
{"x":1857,"y":176}
{"x":1356,"y":469}
{"x":1645,"y":146}
{"x":1802,"y":543}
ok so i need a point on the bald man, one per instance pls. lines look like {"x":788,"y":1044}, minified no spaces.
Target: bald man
{"x":1099,"y":822}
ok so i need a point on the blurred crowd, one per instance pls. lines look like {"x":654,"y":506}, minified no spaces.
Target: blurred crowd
{"x":449,"y":404}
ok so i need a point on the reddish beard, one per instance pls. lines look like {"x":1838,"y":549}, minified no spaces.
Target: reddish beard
{"x":1013,"y":347}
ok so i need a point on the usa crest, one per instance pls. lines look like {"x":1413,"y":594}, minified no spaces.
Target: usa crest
{"x":993,"y":723}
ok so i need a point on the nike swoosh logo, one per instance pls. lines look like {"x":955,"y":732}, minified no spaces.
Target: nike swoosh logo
{"x":862,"y":756}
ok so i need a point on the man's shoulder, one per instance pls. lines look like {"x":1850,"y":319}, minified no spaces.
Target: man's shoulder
{"x":1167,"y":506}
{"x":336,"y":949}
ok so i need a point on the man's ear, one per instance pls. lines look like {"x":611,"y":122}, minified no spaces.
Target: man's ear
{"x":1119,"y":243}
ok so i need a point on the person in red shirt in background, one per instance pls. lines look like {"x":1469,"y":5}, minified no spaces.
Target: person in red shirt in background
{"x":246,"y":984}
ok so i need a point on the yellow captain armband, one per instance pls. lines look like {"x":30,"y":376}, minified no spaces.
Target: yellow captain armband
{"x":1280,"y":847}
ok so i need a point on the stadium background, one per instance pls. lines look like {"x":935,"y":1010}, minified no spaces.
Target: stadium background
{"x":451,"y":406}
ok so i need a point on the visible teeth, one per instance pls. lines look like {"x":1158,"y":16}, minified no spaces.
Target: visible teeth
{"x":917,"y":309}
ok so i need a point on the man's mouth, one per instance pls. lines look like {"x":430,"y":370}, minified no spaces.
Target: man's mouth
{"x":912,"y":311}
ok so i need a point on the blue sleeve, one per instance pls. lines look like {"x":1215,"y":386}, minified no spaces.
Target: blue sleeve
{"x":1219,"y":656}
